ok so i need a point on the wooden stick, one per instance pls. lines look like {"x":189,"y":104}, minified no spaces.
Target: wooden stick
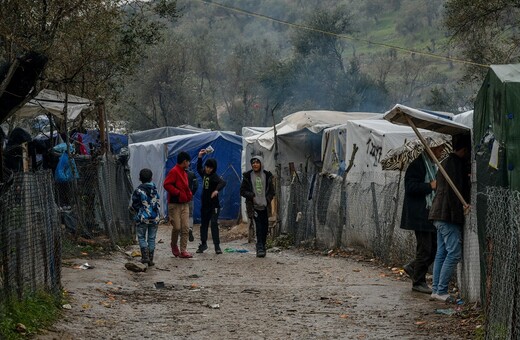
{"x":441,"y":169}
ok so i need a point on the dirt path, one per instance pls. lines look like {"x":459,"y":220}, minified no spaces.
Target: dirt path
{"x":287,"y":295}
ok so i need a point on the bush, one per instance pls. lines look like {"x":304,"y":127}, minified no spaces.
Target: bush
{"x":35,"y":311}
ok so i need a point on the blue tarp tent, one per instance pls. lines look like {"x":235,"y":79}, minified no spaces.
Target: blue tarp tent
{"x":228,"y":149}
{"x":117,"y":140}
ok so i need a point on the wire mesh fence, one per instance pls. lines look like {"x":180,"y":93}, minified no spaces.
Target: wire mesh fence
{"x":326,"y":211}
{"x":30,"y":236}
{"x":95,"y":205}
{"x":36,"y":213}
{"x":500,"y":235}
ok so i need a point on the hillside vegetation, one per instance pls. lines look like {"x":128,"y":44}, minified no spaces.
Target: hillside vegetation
{"x":227,"y":65}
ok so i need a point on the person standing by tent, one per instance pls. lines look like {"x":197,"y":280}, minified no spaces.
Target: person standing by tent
{"x":210,"y":205}
{"x":145,"y":206}
{"x":179,"y":197}
{"x":194,"y":185}
{"x":447,"y":213}
{"x":258,"y":189}
{"x":419,"y":190}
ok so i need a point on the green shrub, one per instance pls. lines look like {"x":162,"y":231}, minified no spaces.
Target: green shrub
{"x":35,"y":311}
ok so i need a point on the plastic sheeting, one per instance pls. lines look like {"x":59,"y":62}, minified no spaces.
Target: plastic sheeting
{"x":49,"y":101}
{"x":298,"y":138}
{"x":162,"y":132}
{"x":374,"y":138}
{"x":161,"y":155}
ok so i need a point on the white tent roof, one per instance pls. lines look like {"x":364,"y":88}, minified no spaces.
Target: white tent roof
{"x":152,"y":155}
{"x":441,"y":122}
{"x":465,"y":118}
{"x":50,"y":101}
{"x":314,"y":121}
{"x":374,"y":138}
{"x":162,"y":132}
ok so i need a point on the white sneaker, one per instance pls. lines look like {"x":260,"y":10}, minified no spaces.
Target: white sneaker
{"x":444,"y":297}
{"x":433,"y":296}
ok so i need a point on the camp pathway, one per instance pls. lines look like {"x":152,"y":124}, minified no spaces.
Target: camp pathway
{"x":289,"y":294}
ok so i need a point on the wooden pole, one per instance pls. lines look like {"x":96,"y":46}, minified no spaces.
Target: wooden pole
{"x":432,"y":156}
{"x":9,"y":76}
{"x":101,"y":123}
{"x":25,"y":157}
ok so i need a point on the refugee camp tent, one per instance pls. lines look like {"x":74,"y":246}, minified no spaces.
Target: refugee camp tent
{"x":497,"y":127}
{"x":162,"y":132}
{"x":496,"y":135}
{"x":50,"y":101}
{"x":297,"y":139}
{"x":91,"y":139}
{"x":367,"y":141}
{"x":161,"y":155}
{"x":374,"y":137}
{"x":465,"y":118}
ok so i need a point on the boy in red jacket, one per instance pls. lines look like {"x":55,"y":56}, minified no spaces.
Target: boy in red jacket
{"x":179,"y":197}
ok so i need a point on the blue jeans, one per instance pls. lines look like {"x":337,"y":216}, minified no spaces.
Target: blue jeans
{"x":449,"y":252}
{"x":142,"y":229}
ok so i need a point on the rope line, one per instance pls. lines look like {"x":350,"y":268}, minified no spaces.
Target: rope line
{"x":341,"y":36}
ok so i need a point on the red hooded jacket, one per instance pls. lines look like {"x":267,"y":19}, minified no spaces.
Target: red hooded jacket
{"x":176,"y":184}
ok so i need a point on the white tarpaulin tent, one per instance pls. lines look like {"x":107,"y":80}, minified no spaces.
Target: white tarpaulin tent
{"x":441,"y":122}
{"x":465,"y":118}
{"x":151,"y":155}
{"x":162,"y":132}
{"x":298,"y":138}
{"x":50,"y":101}
{"x":374,"y":138}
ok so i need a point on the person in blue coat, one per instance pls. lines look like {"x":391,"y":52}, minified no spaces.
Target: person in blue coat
{"x":145,"y":206}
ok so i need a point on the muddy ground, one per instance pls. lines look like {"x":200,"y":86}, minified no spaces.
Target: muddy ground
{"x":289,"y":294}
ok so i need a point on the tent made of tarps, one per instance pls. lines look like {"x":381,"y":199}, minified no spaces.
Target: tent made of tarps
{"x":151,"y":155}
{"x":496,"y":128}
{"x":50,"y":101}
{"x":465,"y":118}
{"x":227,"y":151}
{"x":162,"y":132}
{"x":298,"y":138}
{"x":91,"y":138}
{"x":160,"y":156}
{"x":367,"y":141}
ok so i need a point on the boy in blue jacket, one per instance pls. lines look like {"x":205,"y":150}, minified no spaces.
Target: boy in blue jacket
{"x":210,"y":205}
{"x":145,"y":206}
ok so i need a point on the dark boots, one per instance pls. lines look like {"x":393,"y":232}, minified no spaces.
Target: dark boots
{"x":260,"y":250}
{"x":144,"y":255}
{"x":217,"y":249}
{"x":150,"y":258}
{"x":202,"y":247}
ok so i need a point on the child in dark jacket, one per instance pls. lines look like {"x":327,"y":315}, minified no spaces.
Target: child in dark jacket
{"x":145,"y":206}
{"x":210,"y":205}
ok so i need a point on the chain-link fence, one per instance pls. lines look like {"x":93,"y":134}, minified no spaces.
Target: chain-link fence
{"x":30,"y":236}
{"x":325,"y":211}
{"x":33,"y":207}
{"x":500,"y":233}
{"x":95,"y":205}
